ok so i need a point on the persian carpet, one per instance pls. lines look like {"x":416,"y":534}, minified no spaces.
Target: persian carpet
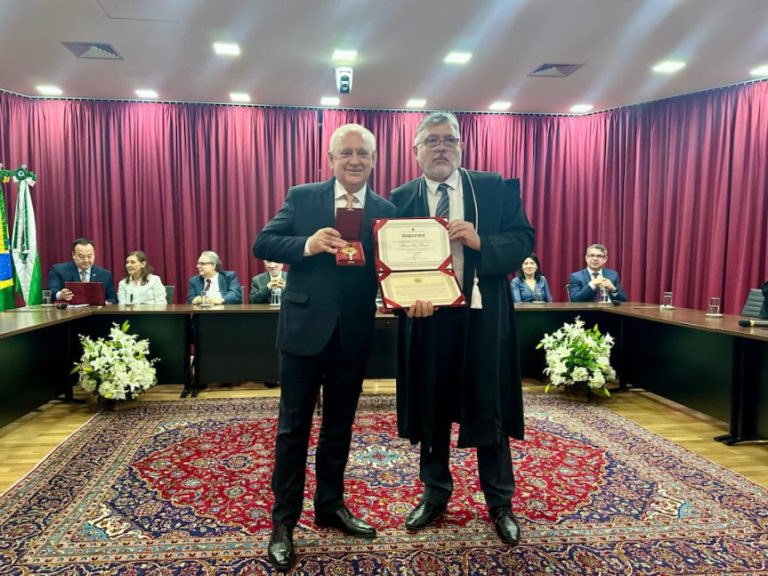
{"x":183,"y":488}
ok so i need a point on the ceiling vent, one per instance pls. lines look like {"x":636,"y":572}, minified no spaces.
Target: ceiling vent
{"x":555,"y":70}
{"x":93,"y":50}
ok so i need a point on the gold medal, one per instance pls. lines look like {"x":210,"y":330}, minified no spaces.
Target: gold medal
{"x":349,"y":250}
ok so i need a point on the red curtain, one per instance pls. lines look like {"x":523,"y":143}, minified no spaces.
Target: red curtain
{"x":676,"y":189}
{"x":169,"y":179}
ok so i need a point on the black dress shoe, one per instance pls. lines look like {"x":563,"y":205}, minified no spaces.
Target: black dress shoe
{"x":506,"y":526}
{"x":280,"y":551}
{"x":423,"y":515}
{"x":345,"y":521}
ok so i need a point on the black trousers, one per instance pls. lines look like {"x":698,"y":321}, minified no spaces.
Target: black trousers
{"x":341,"y":378}
{"x":497,"y":479}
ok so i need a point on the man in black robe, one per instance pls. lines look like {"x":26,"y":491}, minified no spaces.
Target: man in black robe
{"x":461,"y":364}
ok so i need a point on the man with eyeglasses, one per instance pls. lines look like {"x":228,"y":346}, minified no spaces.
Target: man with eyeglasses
{"x":461,"y":364}
{"x":211,"y":282}
{"x":80,"y":269}
{"x":590,"y":283}
{"x":324,"y":334}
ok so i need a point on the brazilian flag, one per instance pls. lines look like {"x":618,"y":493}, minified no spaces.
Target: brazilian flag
{"x":7,"y":298}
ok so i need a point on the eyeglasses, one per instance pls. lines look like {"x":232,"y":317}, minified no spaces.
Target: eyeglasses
{"x":434,"y":141}
{"x":204,"y":263}
{"x":595,"y":256}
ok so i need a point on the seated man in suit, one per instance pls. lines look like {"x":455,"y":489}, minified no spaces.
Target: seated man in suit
{"x":586,"y":284}
{"x":263,"y":284}
{"x":80,"y":269}
{"x":764,"y":309}
{"x":220,"y":286}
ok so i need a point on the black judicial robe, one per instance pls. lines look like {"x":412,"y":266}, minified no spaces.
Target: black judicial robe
{"x":490,"y":409}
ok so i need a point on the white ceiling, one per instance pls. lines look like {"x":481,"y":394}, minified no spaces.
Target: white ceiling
{"x":287,"y":46}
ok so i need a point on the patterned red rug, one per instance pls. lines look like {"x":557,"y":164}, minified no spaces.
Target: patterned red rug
{"x":182,"y":488}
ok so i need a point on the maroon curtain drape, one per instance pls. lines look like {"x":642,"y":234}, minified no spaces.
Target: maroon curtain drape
{"x":676,"y":189}
{"x":169,"y":179}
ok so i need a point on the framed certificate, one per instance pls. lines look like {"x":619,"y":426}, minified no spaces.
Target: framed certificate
{"x":413,"y":262}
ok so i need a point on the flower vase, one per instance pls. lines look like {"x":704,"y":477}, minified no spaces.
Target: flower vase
{"x":106,"y":404}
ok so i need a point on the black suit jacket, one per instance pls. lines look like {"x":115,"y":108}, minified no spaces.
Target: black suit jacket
{"x":321,"y":295}
{"x":69,"y":272}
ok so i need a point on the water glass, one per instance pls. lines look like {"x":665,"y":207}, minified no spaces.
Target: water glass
{"x":714,"y":306}
{"x":274,"y":299}
{"x":204,"y":301}
{"x":604,"y":297}
{"x":538,"y":296}
{"x":666,"y":300}
{"x":47,"y":298}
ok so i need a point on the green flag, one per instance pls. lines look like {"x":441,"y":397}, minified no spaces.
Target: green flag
{"x":7,"y":299}
{"x":25,"y":259}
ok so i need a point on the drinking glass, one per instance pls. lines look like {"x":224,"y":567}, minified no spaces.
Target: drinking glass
{"x":274,"y":299}
{"x":666,"y":300}
{"x":47,"y":298}
{"x":714,"y":306}
{"x":538,"y":296}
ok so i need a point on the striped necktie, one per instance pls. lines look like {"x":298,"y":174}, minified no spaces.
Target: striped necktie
{"x":443,"y":205}
{"x":83,"y":275}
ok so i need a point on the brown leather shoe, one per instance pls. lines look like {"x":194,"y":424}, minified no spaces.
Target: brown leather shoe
{"x":347,"y":522}
{"x":423,"y":515}
{"x":280,"y":551}
{"x":506,"y":526}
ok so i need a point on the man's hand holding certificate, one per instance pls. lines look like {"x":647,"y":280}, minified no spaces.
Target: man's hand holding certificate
{"x":413,"y":259}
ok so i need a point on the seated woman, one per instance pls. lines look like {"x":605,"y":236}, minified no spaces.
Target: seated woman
{"x":140,"y":286}
{"x":529,"y":285}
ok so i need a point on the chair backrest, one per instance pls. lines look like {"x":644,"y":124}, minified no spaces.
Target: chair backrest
{"x":753,"y":304}
{"x":568,"y":291}
{"x":169,"y":294}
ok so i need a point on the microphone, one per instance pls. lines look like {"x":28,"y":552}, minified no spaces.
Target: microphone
{"x":616,"y":302}
{"x":753,"y":323}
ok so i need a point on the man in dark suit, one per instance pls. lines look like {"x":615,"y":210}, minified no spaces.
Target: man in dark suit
{"x":592,"y":282}
{"x":461,"y":364}
{"x":80,"y":269}
{"x":764,"y":309}
{"x":325,"y":331}
{"x":263,"y":284}
{"x":217,"y":285}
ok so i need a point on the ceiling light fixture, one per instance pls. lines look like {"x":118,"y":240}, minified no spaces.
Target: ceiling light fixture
{"x":668,"y":67}
{"x":346,"y":56}
{"x":500,"y":105}
{"x":239,"y":97}
{"x":329,"y":101}
{"x":416,"y":103}
{"x":581,"y":108}
{"x":46,"y":90}
{"x":458,"y":57}
{"x":146,"y":93}
{"x":760,"y":70}
{"x":226,"y":49}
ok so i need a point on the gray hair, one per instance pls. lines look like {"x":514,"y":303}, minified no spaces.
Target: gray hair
{"x":436,"y":119}
{"x":365,"y":134}
{"x":600,"y":247}
{"x":213,"y":257}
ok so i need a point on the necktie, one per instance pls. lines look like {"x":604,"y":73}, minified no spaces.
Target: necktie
{"x":443,"y":206}
{"x":207,"y":284}
{"x":350,"y":198}
{"x":83,"y":276}
{"x":598,"y":292}
{"x":594,"y":274}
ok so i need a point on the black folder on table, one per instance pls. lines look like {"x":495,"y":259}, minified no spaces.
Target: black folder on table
{"x":86,"y":293}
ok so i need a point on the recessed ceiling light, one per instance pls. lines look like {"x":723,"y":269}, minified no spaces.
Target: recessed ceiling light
{"x":344,"y":55}
{"x":581,"y":108}
{"x":146,"y":93}
{"x":416,"y":103}
{"x":329,"y":101}
{"x":239,"y":97}
{"x":49,"y":90}
{"x":226,"y":49}
{"x":759,"y":71}
{"x":668,"y":67}
{"x":458,"y":57}
{"x":501,"y":105}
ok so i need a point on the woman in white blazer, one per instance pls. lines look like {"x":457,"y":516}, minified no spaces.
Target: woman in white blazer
{"x":140,"y":286}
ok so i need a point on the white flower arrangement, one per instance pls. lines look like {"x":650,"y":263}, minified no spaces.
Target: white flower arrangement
{"x":578,"y":355}
{"x":116,"y":367}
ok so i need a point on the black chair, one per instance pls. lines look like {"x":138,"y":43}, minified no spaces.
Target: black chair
{"x":568,"y":291}
{"x":753,"y":304}
{"x":169,"y":294}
